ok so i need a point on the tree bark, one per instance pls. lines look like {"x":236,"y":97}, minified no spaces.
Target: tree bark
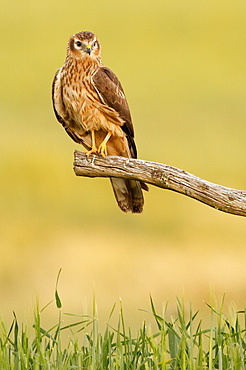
{"x":219,"y":197}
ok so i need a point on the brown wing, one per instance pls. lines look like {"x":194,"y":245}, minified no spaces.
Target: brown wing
{"x":112,"y":94}
{"x":54,"y":85}
{"x":58,"y":107}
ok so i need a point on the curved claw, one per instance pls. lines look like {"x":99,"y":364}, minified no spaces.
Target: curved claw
{"x":103,"y":149}
{"x":103,"y":146}
{"x":93,"y":150}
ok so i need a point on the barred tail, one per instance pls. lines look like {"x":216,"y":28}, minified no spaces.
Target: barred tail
{"x":128,"y":194}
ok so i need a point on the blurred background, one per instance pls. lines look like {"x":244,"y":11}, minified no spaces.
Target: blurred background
{"x":183,"y":67}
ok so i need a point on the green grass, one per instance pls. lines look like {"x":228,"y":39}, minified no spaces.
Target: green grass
{"x":182,"y":66}
{"x":176,"y":342}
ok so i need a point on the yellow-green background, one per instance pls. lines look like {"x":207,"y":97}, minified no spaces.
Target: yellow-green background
{"x":183,"y":68}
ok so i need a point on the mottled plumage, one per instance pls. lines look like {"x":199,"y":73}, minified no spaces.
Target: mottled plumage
{"x":90,"y":103}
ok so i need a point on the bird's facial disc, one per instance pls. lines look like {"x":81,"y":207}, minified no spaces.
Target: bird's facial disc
{"x":86,"y":47}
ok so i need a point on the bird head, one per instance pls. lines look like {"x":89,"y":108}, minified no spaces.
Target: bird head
{"x":83,"y":45}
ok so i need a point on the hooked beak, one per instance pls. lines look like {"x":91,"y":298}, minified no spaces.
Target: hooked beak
{"x":88,"y":49}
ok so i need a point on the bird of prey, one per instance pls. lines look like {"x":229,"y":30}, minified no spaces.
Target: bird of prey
{"x":90,"y":103}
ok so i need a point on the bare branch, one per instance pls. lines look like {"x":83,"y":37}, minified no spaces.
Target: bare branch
{"x":222,"y":198}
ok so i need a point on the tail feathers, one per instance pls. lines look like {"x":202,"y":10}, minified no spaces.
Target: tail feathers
{"x":144,"y":186}
{"x":128,"y":194}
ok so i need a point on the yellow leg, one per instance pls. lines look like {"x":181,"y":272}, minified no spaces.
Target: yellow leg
{"x":103,"y":146}
{"x":93,"y":144}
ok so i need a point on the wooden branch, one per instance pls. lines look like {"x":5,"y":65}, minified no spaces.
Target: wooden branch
{"x":219,"y":197}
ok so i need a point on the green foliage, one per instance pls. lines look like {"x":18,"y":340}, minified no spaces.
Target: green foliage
{"x":175,"y":343}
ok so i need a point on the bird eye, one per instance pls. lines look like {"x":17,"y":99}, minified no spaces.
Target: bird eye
{"x":94,"y":44}
{"x":78,"y":43}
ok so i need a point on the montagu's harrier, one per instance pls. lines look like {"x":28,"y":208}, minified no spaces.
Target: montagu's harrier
{"x":90,"y":103}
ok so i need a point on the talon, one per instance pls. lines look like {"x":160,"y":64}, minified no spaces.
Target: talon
{"x":92,"y":151}
{"x":103,"y":146}
{"x":103,"y":150}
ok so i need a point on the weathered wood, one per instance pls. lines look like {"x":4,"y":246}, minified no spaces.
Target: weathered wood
{"x":222,"y":198}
